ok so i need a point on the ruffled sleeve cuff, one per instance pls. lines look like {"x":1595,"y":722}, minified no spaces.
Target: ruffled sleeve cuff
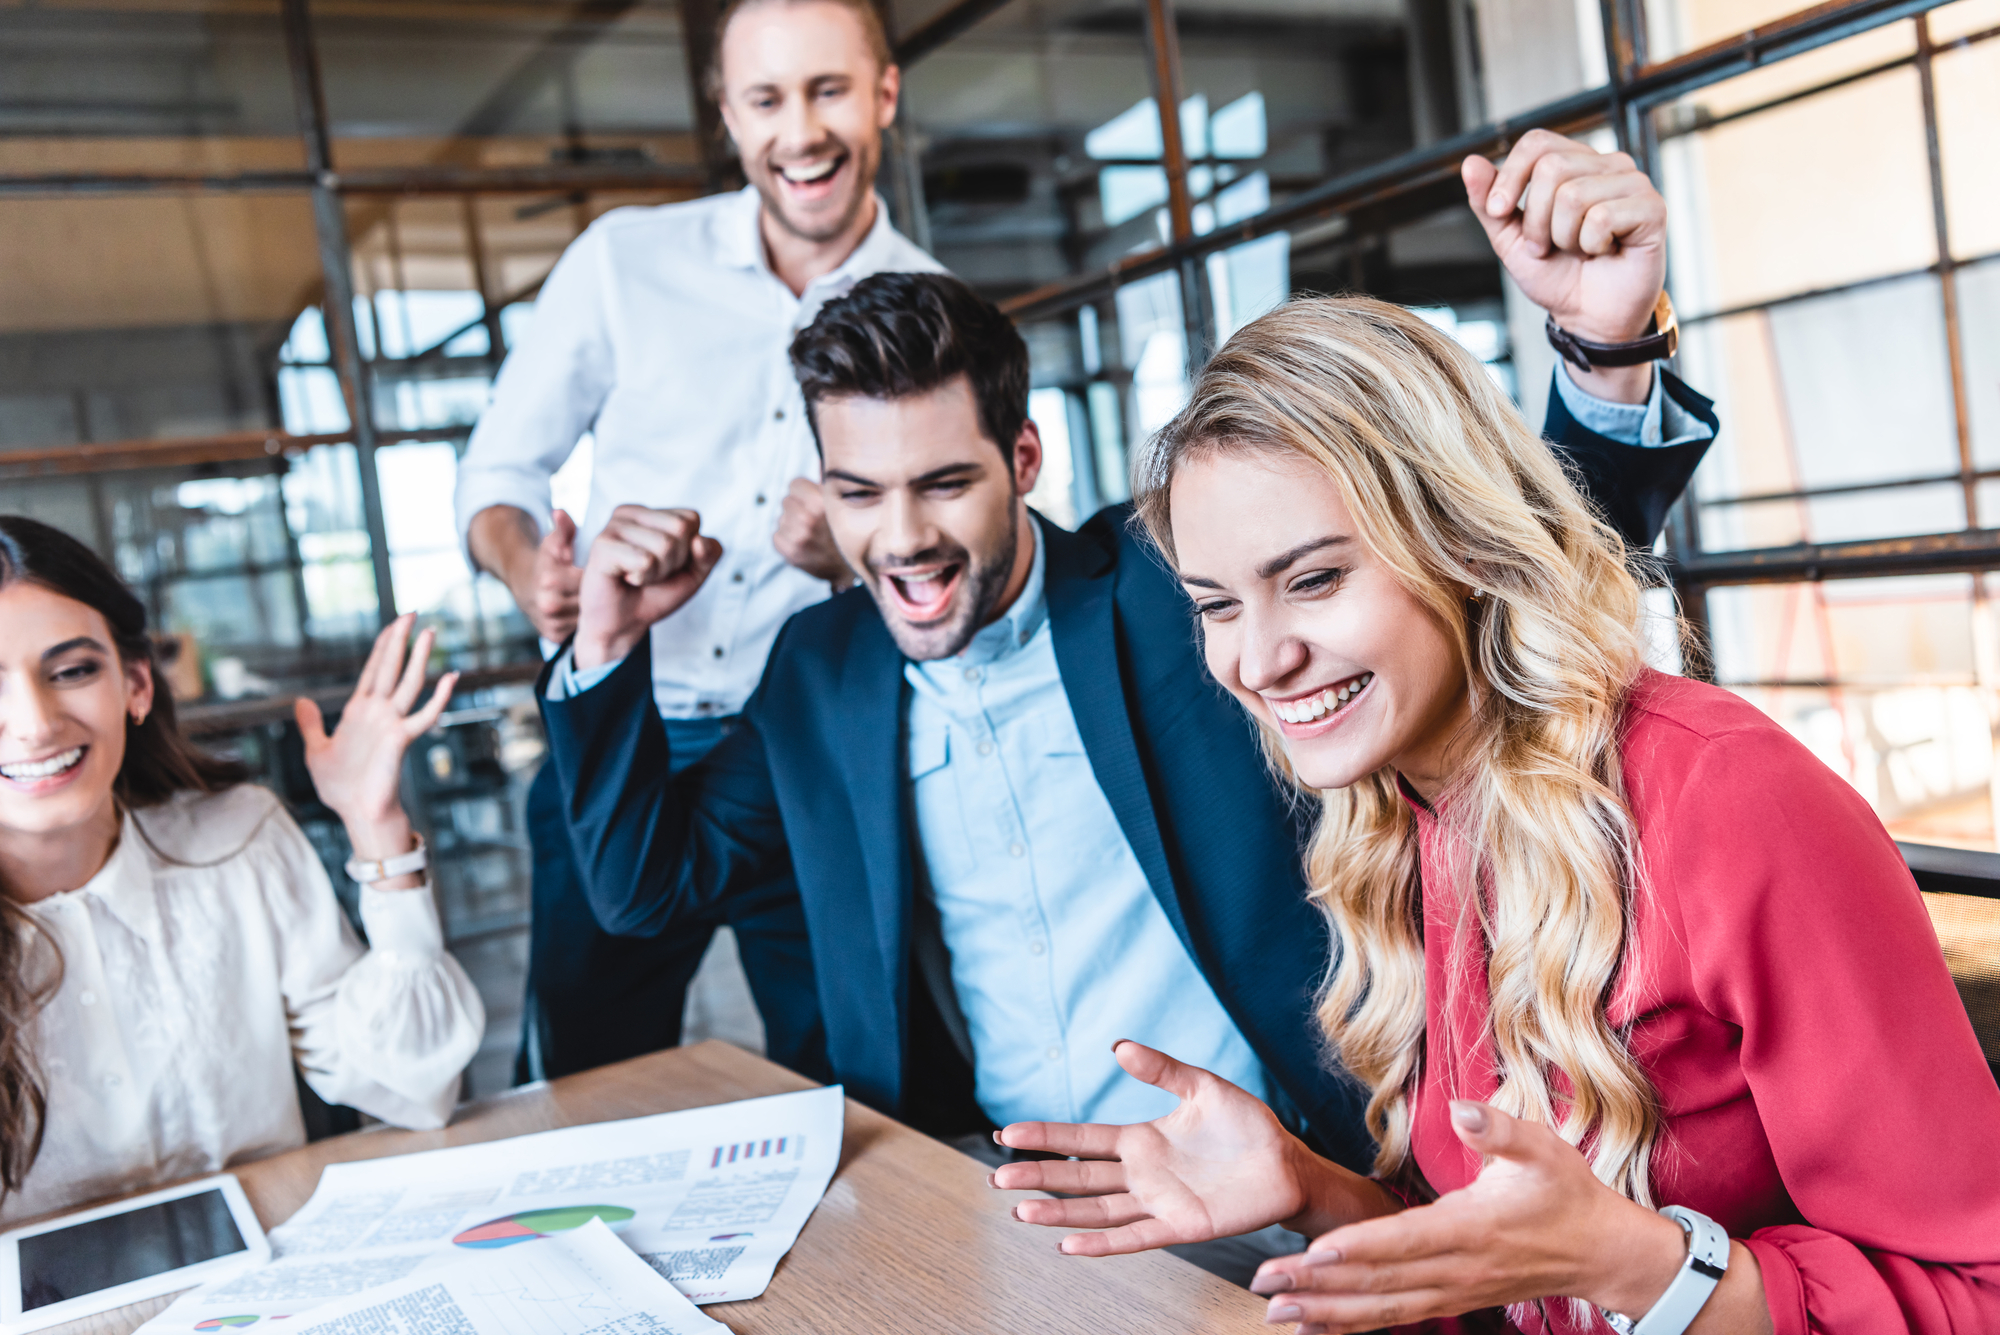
{"x":407,"y":1019}
{"x":402,"y":925}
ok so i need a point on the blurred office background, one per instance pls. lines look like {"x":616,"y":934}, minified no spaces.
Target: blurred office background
{"x":260,"y":259}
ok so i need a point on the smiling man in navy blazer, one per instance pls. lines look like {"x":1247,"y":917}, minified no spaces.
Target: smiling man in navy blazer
{"x":1022,"y":821}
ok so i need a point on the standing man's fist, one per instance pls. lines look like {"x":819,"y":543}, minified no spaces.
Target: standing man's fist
{"x":642,"y":567}
{"x":1584,"y":234}
{"x":538,"y":568}
{"x":803,"y":537}
{"x":550,"y":601}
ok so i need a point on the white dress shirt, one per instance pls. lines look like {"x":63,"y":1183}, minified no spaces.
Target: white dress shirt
{"x":205,"y":961}
{"x":664,"y":334}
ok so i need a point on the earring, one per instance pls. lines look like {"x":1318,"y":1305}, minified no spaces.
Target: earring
{"x":138,"y":718}
{"x":1478,"y":594}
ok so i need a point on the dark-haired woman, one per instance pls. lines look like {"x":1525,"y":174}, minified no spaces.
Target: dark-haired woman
{"x":172,"y":949}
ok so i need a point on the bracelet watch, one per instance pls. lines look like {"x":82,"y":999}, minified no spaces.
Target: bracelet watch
{"x":1661,"y":339}
{"x":1707,"y":1261}
{"x":367,"y":873}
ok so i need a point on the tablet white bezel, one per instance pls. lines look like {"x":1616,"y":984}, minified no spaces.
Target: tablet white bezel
{"x":257,"y":1251}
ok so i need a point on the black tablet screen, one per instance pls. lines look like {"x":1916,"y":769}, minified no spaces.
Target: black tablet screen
{"x":103,"y":1253}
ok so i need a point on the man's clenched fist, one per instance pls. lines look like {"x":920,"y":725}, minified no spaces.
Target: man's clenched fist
{"x":803,"y":537}
{"x":642,"y":567}
{"x":1585,"y":235}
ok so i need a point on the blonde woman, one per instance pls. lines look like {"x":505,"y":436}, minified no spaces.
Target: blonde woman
{"x":1608,"y":941}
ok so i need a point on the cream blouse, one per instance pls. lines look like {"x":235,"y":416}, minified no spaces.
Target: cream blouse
{"x":206,"y":960}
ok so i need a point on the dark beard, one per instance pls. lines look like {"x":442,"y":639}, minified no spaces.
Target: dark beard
{"x":985,"y":584}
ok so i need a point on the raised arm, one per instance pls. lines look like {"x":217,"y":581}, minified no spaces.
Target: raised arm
{"x":388,"y":1031}
{"x":654,"y":850}
{"x":1583,"y":235}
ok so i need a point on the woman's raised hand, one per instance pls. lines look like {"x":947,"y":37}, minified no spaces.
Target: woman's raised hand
{"x":1535,"y":1223}
{"x":1218,"y":1165}
{"x":358,"y":768}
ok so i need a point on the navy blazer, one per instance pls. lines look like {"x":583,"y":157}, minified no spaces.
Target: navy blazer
{"x":814,"y":782}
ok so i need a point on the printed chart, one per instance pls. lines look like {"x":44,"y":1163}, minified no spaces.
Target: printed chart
{"x":710,"y":1200}
{"x":527,"y":1225}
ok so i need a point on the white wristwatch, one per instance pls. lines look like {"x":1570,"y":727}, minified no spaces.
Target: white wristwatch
{"x":1707,"y":1261}
{"x":367,"y":873}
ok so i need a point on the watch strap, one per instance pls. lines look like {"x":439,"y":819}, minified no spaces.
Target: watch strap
{"x":1707,"y":1261}
{"x":1662,"y":339}
{"x":367,"y":873}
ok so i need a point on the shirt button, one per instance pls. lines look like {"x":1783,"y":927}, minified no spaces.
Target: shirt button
{"x":1026,"y":636}
{"x":88,"y":998}
{"x":736,"y":578}
{"x":1015,"y":850}
{"x":986,"y":748}
{"x":1037,"y":948}
{"x":760,"y":498}
{"x":112,"y":1082}
{"x":779,"y":415}
{"x":1055,"y":1054}
{"x":718,"y":651}
{"x":972,"y":674}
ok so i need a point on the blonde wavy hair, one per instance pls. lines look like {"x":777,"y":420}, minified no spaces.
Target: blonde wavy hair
{"x":1449,"y":488}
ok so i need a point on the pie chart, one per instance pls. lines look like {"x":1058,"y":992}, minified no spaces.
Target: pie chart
{"x":225,"y":1322}
{"x":527,"y":1225}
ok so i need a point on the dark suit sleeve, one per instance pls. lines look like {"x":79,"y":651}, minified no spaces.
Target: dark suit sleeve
{"x":656,"y":851}
{"x":1632,"y":485}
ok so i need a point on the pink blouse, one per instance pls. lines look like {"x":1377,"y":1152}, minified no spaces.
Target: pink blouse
{"x":1825,"y":1098}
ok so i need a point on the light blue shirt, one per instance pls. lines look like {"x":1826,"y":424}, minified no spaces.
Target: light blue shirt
{"x":1659,"y":421}
{"x":1058,"y":946}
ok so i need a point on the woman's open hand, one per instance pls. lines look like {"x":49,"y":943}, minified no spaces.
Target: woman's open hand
{"x":1218,"y":1165}
{"x":358,"y":768}
{"x":1535,"y":1223}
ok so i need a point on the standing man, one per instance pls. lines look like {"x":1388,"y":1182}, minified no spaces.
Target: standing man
{"x":662,"y":332}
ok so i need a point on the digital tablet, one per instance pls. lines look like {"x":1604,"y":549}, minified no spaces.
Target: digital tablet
{"x":91,"y":1261}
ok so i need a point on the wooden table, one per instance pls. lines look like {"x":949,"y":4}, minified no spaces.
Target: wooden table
{"x":908,"y":1238}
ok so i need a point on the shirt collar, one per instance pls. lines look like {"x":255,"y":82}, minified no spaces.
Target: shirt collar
{"x":739,"y":243}
{"x":1019,"y":623}
{"x":124,"y":884}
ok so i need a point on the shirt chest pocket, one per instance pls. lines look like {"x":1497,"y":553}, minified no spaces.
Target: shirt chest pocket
{"x":936,"y":804}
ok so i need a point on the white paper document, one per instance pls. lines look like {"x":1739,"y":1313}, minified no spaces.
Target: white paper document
{"x":583,"y":1282}
{"x":711,"y":1199}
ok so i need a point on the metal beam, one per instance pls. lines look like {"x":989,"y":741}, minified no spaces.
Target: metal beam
{"x":1163,"y":45}
{"x":1953,"y":871}
{"x":118,"y":456}
{"x":416,"y":180}
{"x":1926,"y":554}
{"x":337,"y":307}
{"x":1163,"y":42}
